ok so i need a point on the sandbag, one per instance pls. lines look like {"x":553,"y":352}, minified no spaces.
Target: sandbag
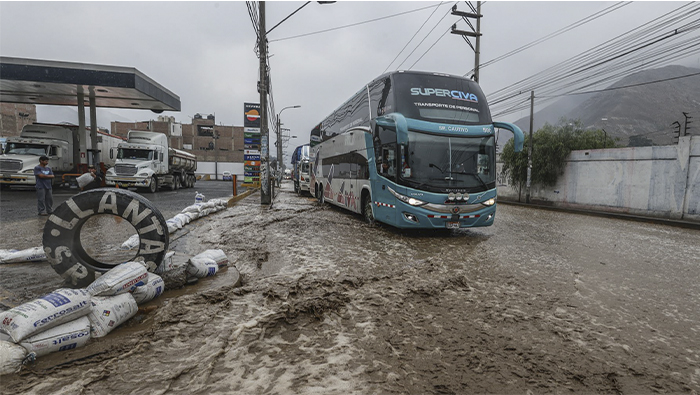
{"x":11,"y":357}
{"x":217,"y":255}
{"x":184,"y":219}
{"x":29,"y":255}
{"x":123,"y":278}
{"x":173,"y":225}
{"x":202,"y":267}
{"x":192,"y":216}
{"x":56,"y":308}
{"x":151,"y":289}
{"x":85,"y":179}
{"x":108,"y":312}
{"x":63,"y":337}
{"x":131,"y":243}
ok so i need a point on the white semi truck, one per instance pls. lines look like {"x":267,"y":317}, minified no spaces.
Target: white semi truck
{"x":67,"y":149}
{"x":146,"y":161}
{"x":301,"y":169}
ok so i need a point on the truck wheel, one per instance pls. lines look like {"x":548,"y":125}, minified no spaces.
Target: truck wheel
{"x":62,"y":242}
{"x":153,"y":188}
{"x":177,"y":182}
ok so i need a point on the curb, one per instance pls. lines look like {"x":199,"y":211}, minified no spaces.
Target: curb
{"x":629,"y":217}
{"x":243,"y":195}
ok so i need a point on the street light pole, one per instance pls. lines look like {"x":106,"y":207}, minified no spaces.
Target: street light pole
{"x":279,"y":145}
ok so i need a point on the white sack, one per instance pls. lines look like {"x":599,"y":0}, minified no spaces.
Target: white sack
{"x":62,"y":305}
{"x":192,"y":216}
{"x":203,"y":267}
{"x":218,"y":255}
{"x":108,"y":312}
{"x":85,"y":179}
{"x":184,"y":219}
{"x":153,"y":287}
{"x":192,"y":209}
{"x":131,"y":243}
{"x":64,"y":337}
{"x":172,"y":225}
{"x":123,"y":278}
{"x":11,"y":357}
{"x":29,"y":255}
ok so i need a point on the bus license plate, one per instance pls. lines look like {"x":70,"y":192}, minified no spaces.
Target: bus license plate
{"x":452,"y":225}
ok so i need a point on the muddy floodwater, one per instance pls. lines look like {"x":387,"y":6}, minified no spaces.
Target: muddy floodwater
{"x":541,"y":302}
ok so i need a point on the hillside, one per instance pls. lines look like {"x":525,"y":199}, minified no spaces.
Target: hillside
{"x":647,"y":110}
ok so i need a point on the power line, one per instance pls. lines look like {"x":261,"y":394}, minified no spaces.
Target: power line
{"x":626,"y":86}
{"x":414,"y":36}
{"x":563,"y":30}
{"x":431,"y":47}
{"x":424,"y":38}
{"x":356,"y":24}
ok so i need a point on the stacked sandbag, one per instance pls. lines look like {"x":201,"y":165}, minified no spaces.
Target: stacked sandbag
{"x":121,"y":279}
{"x":151,"y":289}
{"x":64,"y":337}
{"x":11,"y":357}
{"x":56,"y":308}
{"x":131,"y":243}
{"x":108,"y":312}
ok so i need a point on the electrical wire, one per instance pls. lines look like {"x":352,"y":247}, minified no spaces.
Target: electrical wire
{"x":424,"y":38}
{"x":431,"y":47}
{"x":356,"y":24}
{"x":414,"y":36}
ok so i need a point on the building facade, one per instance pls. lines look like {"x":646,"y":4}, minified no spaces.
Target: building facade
{"x":13,"y":117}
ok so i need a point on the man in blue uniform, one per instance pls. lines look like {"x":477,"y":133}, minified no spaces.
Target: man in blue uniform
{"x":44,"y":178}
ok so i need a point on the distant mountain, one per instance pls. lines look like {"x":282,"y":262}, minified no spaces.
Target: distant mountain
{"x":58,"y":114}
{"x":646,"y":111}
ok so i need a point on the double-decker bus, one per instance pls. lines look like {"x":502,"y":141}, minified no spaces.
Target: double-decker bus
{"x":411,"y":150}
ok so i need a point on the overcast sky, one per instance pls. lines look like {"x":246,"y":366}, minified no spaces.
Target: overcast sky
{"x":204,"y":51}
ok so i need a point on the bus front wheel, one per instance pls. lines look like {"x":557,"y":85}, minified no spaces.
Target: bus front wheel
{"x":367,"y":209}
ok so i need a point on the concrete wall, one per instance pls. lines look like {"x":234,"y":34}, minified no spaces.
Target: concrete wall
{"x":209,"y":168}
{"x":661,"y":181}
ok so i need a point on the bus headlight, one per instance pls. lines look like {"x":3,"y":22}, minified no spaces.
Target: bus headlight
{"x":406,"y":199}
{"x":489,"y":202}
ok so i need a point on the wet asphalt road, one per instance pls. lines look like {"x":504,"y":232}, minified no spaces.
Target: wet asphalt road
{"x":541,"y":302}
{"x":18,"y":206}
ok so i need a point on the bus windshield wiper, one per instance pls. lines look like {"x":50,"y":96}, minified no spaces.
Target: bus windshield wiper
{"x":448,"y":178}
{"x":475,"y":176}
{"x":459,"y":172}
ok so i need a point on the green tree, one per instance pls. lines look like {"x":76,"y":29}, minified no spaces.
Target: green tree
{"x":552,"y":146}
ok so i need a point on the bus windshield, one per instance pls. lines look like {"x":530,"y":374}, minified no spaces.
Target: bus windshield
{"x":26,"y":149}
{"x":132,"y":153}
{"x":437,"y":163}
{"x":443,"y":99}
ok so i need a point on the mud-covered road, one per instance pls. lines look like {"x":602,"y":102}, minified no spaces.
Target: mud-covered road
{"x":542,"y":302}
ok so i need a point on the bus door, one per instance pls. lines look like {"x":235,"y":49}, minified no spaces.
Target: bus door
{"x":384,"y":201}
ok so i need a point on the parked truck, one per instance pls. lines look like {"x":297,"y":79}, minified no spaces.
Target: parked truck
{"x":301,"y":169}
{"x":146,"y":161}
{"x":67,"y":149}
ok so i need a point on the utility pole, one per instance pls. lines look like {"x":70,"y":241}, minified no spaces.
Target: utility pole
{"x":529,"y":148}
{"x":476,"y":32}
{"x":265,"y":195}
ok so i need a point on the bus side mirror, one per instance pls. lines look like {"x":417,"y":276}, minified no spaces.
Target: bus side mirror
{"x":518,"y":136}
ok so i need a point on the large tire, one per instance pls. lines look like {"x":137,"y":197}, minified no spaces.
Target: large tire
{"x":153,"y":188}
{"x":61,"y":237}
{"x":367,"y":212}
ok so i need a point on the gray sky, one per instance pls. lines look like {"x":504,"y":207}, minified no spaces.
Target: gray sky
{"x":204,"y":51}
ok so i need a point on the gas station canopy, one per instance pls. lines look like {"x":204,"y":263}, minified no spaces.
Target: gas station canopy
{"x":33,"y":81}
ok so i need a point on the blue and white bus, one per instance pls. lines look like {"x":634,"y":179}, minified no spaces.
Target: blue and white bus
{"x":411,"y":150}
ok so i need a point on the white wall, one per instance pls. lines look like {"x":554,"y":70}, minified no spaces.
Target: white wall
{"x":661,"y":181}
{"x":208,"y":168}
